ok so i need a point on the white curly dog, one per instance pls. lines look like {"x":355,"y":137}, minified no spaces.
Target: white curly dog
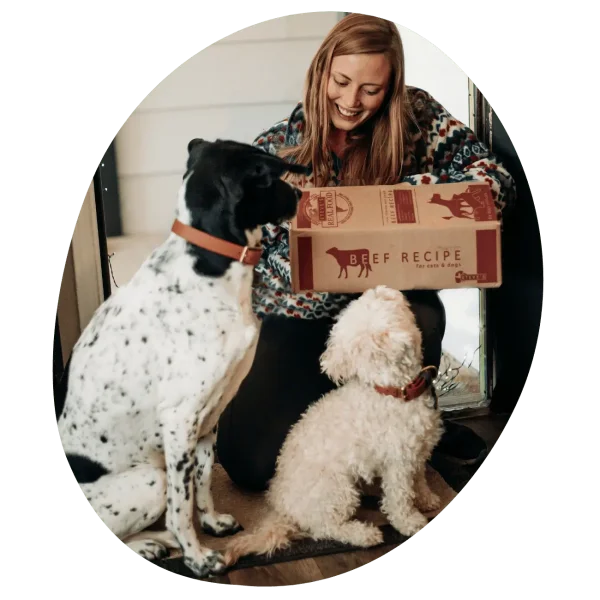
{"x":382,"y":422}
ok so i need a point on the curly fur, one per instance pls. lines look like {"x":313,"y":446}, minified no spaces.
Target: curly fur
{"x":355,"y":434}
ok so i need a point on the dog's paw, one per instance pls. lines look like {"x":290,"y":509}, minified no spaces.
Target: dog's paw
{"x":410,"y":524}
{"x":219,"y":525}
{"x":355,"y":533}
{"x":372,"y":537}
{"x":210,"y":563}
{"x":428,"y":502}
{"x":149,"y":549}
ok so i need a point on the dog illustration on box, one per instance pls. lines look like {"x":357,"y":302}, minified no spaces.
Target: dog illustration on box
{"x":462,"y":206}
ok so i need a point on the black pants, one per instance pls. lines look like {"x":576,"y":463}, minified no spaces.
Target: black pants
{"x":285,"y":379}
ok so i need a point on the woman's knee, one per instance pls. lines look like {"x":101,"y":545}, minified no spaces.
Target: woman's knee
{"x":249,"y":437}
{"x":247,"y":475}
{"x":246,"y":468}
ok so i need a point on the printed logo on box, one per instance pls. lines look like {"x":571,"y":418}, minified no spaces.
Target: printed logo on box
{"x":461,"y":276}
{"x":435,"y":258}
{"x":327,"y":208}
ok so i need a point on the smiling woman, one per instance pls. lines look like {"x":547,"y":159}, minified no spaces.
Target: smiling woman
{"x":356,"y":91}
{"x":356,"y":105}
{"x":358,"y":124}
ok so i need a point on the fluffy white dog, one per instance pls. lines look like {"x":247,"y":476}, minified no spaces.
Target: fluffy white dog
{"x":382,"y":422}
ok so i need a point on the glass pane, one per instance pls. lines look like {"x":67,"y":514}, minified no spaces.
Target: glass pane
{"x":460,"y":376}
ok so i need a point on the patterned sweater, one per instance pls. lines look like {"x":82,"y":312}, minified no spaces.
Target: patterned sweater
{"x":442,"y":149}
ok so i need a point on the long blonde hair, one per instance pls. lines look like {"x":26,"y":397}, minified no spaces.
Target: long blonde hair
{"x":376,"y":149}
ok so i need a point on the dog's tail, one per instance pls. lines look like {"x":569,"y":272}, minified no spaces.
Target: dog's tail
{"x":274,"y":533}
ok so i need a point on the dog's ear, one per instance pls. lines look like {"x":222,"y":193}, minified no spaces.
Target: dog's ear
{"x":193,"y":144}
{"x":334,"y":360}
{"x":344,"y":350}
{"x":263,"y":168}
{"x":193,"y":149}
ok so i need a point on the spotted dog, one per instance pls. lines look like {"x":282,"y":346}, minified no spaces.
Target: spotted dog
{"x":162,"y":357}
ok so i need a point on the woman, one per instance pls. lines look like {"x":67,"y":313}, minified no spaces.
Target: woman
{"x":358,"y":124}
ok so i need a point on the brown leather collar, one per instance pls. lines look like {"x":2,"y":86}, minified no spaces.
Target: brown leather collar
{"x":244,"y":254}
{"x":414,"y":389}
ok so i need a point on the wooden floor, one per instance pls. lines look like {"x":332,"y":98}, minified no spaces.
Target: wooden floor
{"x":307,"y":570}
{"x":302,"y":571}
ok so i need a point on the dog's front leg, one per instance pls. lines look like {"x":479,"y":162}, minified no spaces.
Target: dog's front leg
{"x":212,"y":522}
{"x":180,"y":441}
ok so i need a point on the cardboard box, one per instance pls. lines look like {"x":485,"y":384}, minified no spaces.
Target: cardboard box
{"x":349,"y":239}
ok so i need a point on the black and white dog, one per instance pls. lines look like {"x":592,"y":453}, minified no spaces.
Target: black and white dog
{"x":162,"y":357}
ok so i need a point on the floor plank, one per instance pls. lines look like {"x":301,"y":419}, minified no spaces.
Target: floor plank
{"x":288,"y":573}
{"x":305,"y":570}
{"x":219,"y":579}
{"x":336,"y":564}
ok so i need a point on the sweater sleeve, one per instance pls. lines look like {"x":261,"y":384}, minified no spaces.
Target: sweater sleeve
{"x":454,"y":154}
{"x":272,"y":274}
{"x":271,"y":140}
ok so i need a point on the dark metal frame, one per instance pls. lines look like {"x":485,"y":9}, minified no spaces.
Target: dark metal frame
{"x":103,"y":194}
{"x":483,"y":128}
{"x":100,"y":188}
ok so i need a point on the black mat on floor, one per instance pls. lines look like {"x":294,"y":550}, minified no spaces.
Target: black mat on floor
{"x":456,"y":476}
{"x":298,"y":550}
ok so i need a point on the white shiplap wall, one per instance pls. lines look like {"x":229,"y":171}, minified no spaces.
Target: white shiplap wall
{"x":234,"y":89}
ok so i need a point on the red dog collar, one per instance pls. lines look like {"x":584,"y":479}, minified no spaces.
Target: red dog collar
{"x":414,"y":389}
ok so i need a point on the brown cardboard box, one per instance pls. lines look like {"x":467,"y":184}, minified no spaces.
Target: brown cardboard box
{"x":348,"y":239}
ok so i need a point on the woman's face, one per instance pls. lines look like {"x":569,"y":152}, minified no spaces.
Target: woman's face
{"x":357,"y":88}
